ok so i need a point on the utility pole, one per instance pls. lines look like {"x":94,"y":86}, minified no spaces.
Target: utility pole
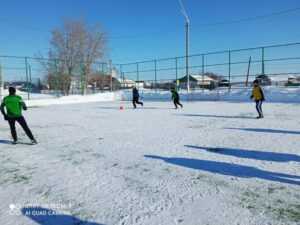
{"x":187,"y":37}
{"x":263,"y":61}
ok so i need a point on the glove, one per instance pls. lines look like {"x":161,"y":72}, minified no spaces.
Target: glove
{"x":5,"y":117}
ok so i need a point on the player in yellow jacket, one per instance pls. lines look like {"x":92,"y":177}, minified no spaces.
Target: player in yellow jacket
{"x":258,"y":96}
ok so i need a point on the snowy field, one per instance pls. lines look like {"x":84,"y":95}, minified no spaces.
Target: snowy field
{"x":211,"y":163}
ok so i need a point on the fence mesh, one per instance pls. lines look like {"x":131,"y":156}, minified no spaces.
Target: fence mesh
{"x":39,"y":78}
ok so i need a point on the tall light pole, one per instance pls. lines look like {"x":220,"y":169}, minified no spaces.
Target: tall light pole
{"x":187,"y":37}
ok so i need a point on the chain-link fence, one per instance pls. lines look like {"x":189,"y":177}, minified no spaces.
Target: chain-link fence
{"x":43,"y":78}
{"x":272,"y":65}
{"x":37,"y":78}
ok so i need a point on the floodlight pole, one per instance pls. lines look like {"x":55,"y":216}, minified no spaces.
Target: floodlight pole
{"x":187,"y":37}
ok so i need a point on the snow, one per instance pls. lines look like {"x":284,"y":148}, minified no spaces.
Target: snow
{"x":45,"y":100}
{"x":236,"y":94}
{"x":72,"y":99}
{"x":210,"y":163}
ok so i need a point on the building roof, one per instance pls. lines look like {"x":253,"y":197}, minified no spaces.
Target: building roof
{"x":199,"y":78}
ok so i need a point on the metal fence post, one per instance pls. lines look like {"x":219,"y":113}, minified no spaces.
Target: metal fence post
{"x":248,"y":71}
{"x":203,"y":70}
{"x":27,"y":80}
{"x":111,"y":75}
{"x":121,"y":77}
{"x":263,"y":61}
{"x":176,"y":71}
{"x":137,"y":74}
{"x":229,"y":69}
{"x":56,"y":80}
{"x":102,"y":68}
{"x":155,"y":75}
{"x":30,"y":80}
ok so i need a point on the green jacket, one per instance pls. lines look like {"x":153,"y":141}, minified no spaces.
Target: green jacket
{"x":13,"y":105}
{"x":175,"y":95}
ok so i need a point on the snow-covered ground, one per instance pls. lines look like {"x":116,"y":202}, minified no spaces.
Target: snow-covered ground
{"x":236,"y":94}
{"x":211,"y":163}
{"x":272,"y":93}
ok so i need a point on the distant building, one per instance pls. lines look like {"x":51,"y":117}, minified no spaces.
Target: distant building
{"x":199,"y":81}
{"x":264,"y":80}
{"x":293,"y":81}
{"x":126,"y":83}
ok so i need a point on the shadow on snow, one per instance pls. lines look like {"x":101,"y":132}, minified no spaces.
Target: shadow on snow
{"x":229,"y":169}
{"x":261,"y":130}
{"x":251,"y":154}
{"x":44,"y":216}
{"x":5,"y":142}
{"x":219,"y":116}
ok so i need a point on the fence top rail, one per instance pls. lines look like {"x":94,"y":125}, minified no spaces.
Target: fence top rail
{"x":216,"y":52}
{"x":44,"y":59}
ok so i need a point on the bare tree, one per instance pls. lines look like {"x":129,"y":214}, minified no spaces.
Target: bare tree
{"x":74,"y":48}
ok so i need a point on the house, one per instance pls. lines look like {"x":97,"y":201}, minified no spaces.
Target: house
{"x":264,"y":80}
{"x":126,"y":83}
{"x":293,"y":81}
{"x":199,"y":81}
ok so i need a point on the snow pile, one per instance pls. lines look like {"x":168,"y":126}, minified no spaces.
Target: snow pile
{"x":100,"y":97}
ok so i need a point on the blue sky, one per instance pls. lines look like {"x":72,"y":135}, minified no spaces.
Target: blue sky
{"x":144,"y":29}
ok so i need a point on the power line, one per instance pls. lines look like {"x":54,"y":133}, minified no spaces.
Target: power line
{"x":247,"y":19}
{"x":137,"y":36}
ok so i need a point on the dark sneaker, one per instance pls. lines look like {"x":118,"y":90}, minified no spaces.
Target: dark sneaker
{"x":33,"y":141}
{"x":14,"y":142}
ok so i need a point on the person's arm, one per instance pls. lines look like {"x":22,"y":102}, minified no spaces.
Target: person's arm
{"x":252,"y":95}
{"x":24,"y":106}
{"x":3,"y":110}
{"x":262,"y":94}
{"x":22,"y":103}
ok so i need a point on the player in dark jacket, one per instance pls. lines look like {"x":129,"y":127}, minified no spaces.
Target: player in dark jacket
{"x":258,"y":96}
{"x":13,"y":104}
{"x":135,"y":97}
{"x":176,"y":98}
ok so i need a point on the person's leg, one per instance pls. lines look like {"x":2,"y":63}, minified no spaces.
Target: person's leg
{"x":175,"y":103}
{"x":25,"y":127}
{"x":179,"y":104}
{"x":257,"y":108}
{"x":138,"y":102}
{"x":12,"y":125}
{"x":133,"y":102}
{"x":260,"y":108}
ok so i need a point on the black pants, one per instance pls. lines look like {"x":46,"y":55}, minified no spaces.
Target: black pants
{"x":136,"y":101}
{"x":176,"y":103}
{"x":21,"y":120}
{"x":259,"y":108}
